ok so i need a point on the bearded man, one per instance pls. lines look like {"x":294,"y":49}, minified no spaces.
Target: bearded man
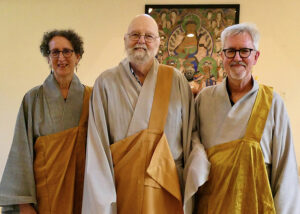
{"x":140,"y":124}
{"x":245,"y":129}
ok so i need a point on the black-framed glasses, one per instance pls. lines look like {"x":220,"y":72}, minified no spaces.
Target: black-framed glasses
{"x":136,"y":37}
{"x":65,"y":52}
{"x":243,"y":52}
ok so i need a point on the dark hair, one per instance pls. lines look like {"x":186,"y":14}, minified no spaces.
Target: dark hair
{"x":70,"y":35}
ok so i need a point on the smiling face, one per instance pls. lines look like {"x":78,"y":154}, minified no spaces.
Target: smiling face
{"x":62,"y":66}
{"x":237,"y":68}
{"x":141,"y":52}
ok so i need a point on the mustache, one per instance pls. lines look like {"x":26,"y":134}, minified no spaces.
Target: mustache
{"x":140,"y":46}
{"x":238,"y":63}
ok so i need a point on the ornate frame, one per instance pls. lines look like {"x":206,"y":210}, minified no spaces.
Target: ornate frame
{"x":190,"y":39}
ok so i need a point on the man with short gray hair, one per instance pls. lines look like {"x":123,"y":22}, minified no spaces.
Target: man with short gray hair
{"x":245,"y":129}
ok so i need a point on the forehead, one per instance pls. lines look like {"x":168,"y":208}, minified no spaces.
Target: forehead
{"x":58,"y":42}
{"x":241,"y":40}
{"x":143,"y":24}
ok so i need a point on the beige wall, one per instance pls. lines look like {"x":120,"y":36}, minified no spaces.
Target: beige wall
{"x":102,"y":25}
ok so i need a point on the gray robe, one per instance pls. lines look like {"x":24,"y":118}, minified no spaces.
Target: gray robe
{"x":219,"y":122}
{"x":43,"y":111}
{"x":120,"y":107}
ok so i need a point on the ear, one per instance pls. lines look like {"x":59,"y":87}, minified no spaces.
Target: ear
{"x":222,"y":55}
{"x":49,"y":63}
{"x":256,"y":56}
{"x":78,"y":58}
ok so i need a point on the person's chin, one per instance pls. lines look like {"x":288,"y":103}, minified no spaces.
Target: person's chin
{"x":63,"y":72}
{"x":238,"y":74}
{"x":139,"y":56}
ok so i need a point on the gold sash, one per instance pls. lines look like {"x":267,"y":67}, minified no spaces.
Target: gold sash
{"x":238,"y":181}
{"x":59,"y":167}
{"x":145,"y":172}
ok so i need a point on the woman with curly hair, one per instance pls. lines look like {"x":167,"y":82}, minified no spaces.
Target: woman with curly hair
{"x":45,"y":167}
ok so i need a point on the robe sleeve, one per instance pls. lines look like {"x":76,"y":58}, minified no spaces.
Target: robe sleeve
{"x":17,"y":184}
{"x":99,"y":195}
{"x":196,"y":165}
{"x":284,"y":173}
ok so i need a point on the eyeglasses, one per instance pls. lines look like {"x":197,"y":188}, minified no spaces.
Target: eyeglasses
{"x":136,"y":37}
{"x":243,"y":52}
{"x":65,"y":52}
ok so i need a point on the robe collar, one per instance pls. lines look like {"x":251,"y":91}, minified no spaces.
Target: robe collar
{"x":62,"y":110}
{"x":226,"y":92}
{"x":143,"y":104}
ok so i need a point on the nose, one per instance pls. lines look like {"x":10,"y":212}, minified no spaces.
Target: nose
{"x":142,"y":39}
{"x":237,"y":56}
{"x":61,"y":56}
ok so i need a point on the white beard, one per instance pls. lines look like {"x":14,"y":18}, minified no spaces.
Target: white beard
{"x":140,"y":56}
{"x":238,"y":75}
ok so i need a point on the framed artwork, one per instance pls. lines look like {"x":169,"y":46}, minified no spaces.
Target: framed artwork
{"x":190,"y":39}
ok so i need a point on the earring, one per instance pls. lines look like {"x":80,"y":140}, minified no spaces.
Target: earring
{"x":50,"y":66}
{"x":51,"y":70}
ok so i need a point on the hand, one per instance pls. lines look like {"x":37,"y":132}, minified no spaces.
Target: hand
{"x":26,"y":209}
{"x":196,"y":87}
